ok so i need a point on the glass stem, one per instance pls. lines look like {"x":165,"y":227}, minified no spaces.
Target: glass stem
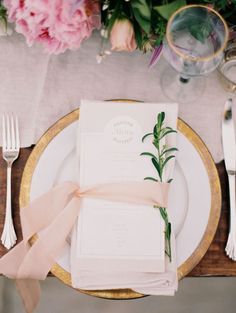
{"x":184,"y":79}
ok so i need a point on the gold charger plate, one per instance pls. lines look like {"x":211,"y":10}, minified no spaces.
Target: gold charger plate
{"x":210,"y":230}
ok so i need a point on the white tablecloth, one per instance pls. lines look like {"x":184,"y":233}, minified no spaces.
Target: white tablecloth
{"x":42,"y":88}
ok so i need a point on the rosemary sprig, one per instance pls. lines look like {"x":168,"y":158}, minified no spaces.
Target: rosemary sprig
{"x":159,"y":160}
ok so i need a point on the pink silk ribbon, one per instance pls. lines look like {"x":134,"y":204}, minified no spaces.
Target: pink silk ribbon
{"x":52,"y":217}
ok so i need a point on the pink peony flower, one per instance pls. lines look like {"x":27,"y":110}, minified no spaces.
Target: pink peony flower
{"x":122,"y":36}
{"x":57,"y":24}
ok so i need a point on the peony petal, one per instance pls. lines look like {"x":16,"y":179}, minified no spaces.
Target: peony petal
{"x":57,"y":24}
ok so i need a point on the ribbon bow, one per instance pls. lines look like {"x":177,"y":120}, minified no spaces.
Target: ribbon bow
{"x":52,"y":217}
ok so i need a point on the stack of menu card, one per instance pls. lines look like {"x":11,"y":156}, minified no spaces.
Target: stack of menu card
{"x":120,"y":245}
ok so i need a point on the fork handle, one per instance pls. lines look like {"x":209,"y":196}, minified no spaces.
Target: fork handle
{"x":231,"y":177}
{"x":8,"y":200}
{"x":8,"y":236}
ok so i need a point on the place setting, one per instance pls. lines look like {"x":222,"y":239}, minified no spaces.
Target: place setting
{"x":194,"y":170}
{"x":195,"y":175}
{"x":121,"y":198}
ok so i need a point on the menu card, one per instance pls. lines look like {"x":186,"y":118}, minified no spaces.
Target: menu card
{"x":114,"y":236}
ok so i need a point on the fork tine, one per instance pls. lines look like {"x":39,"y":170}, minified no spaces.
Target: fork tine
{"x":17,"y":133}
{"x":8,"y":143}
{"x":13,"y":135}
{"x":3,"y":132}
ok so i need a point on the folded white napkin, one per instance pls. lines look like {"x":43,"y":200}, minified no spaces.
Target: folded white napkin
{"x":146,"y":283}
{"x":151,"y":283}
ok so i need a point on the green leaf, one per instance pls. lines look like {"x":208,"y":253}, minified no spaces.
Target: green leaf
{"x":168,"y":159}
{"x":168,"y":231}
{"x":149,"y":154}
{"x":197,"y":23}
{"x":163,"y":214}
{"x":138,"y":35}
{"x":142,"y":13}
{"x":145,"y":136}
{"x":115,"y":15}
{"x":151,"y":178}
{"x":159,"y":161}
{"x":168,"y":150}
{"x":160,"y":120}
{"x":157,"y":166}
{"x":155,"y":132}
{"x":169,"y":180}
{"x":156,"y":144}
{"x":168,"y":254}
{"x":167,"y":132}
{"x":167,"y":10}
{"x":3,"y":10}
{"x":200,"y":31}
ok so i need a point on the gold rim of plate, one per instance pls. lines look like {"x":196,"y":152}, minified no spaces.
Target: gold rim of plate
{"x":210,"y":230}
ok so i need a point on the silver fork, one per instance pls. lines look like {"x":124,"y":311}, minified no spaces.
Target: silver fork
{"x":10,"y":152}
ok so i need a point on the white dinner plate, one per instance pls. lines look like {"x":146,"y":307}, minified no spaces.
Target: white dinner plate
{"x":194,"y":202}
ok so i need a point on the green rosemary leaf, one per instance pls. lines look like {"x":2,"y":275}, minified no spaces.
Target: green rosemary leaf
{"x":168,"y":159}
{"x":151,"y":178}
{"x":155,"y":132}
{"x":168,"y":150}
{"x":167,"y":128}
{"x":169,"y":180}
{"x":168,"y":231}
{"x":160,"y":120}
{"x":157,"y":166}
{"x":156,"y":143}
{"x":145,"y":136}
{"x":168,"y":254}
{"x":159,"y":161}
{"x":163,"y":213}
{"x":149,"y":154}
{"x":167,"y":132}
{"x":168,"y":239}
{"x":161,"y":117}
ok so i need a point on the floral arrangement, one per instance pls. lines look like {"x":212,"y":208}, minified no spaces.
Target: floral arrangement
{"x":56,"y":24}
{"x":128,"y":24}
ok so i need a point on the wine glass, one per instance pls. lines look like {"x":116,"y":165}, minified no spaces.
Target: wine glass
{"x":227,"y":68}
{"x":196,"y":36}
